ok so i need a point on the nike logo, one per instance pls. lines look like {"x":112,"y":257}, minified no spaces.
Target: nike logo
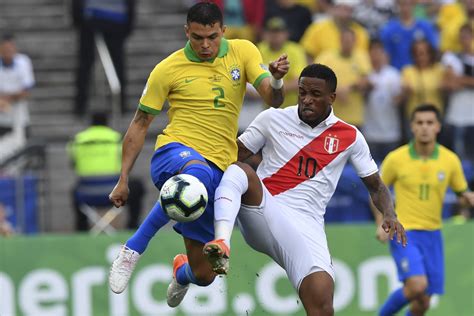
{"x":191,"y":79}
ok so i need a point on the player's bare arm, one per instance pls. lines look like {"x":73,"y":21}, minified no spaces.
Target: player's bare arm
{"x":383,"y":202}
{"x":271,"y":89}
{"x":380,"y":233}
{"x":132,"y":145}
{"x":466,"y":198}
{"x":244,"y":153}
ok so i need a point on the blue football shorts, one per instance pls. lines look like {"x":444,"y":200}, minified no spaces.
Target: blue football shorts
{"x":168,"y":161}
{"x":423,"y":255}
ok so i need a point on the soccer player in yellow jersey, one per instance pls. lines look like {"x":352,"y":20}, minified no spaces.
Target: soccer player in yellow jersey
{"x":420,"y":173}
{"x":204,"y":84}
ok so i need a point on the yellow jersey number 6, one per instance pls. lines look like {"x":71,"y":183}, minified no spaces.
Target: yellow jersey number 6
{"x":217,"y":103}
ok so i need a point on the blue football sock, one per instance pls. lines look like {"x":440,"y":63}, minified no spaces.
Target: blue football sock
{"x":408,"y":313}
{"x":184,"y":275}
{"x":152,"y":223}
{"x":394,"y":303}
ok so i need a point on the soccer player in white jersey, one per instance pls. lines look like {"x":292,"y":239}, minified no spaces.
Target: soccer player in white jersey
{"x":304,"y":149}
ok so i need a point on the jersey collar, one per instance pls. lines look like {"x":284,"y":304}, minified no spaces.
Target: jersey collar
{"x":414,"y":154}
{"x":330,"y":120}
{"x":192,"y":56}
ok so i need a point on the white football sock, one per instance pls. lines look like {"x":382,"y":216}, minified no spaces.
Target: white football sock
{"x":227,"y":200}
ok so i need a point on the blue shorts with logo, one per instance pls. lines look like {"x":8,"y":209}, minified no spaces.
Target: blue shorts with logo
{"x":168,"y":161}
{"x":423,"y":255}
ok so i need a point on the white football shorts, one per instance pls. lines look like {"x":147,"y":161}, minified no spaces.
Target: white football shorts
{"x":295,"y":240}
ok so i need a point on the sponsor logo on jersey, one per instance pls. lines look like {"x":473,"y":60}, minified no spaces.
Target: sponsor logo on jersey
{"x":331,"y":144}
{"x":441,"y":176}
{"x":215,"y":78}
{"x":289,"y":134}
{"x":190,"y":79}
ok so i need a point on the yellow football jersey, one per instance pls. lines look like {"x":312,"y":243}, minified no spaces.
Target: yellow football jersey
{"x":325,"y":35}
{"x":205,"y":97}
{"x":425,"y":85}
{"x":420,"y":184}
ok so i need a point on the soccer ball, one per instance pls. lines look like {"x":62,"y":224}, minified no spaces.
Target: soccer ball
{"x":183,"y":197}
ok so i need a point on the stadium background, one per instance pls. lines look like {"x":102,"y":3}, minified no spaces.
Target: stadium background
{"x":54,"y":271}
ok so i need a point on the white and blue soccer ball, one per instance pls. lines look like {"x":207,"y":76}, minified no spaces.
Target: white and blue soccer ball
{"x":183,"y":198}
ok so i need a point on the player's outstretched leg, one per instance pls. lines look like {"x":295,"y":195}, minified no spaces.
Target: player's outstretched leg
{"x":122,"y":269}
{"x":177,"y":291}
{"x":218,"y":255}
{"x":123,"y":266}
{"x":239,"y":184}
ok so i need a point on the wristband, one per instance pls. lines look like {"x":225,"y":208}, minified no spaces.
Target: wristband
{"x":276,"y":83}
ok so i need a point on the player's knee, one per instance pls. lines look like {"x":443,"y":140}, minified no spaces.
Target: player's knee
{"x":236,"y":178}
{"x":200,"y":171}
{"x":417,"y":288}
{"x":318,"y":303}
{"x":323,"y":308}
{"x":326,"y":309}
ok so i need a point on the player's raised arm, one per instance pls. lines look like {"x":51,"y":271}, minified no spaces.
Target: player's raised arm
{"x":383,"y":202}
{"x":131,"y":147}
{"x":271,"y":89}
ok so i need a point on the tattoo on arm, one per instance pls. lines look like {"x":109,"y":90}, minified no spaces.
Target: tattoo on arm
{"x":277,"y":96}
{"x":379,"y":194}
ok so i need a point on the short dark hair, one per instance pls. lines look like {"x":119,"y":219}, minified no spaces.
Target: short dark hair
{"x":7,"y":37}
{"x":322,"y":72}
{"x":426,"y":108}
{"x":375,"y":42}
{"x":431,"y":49}
{"x":100,"y":118}
{"x":205,"y":13}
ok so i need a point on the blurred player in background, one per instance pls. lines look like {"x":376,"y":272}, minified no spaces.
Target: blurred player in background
{"x":420,"y":173}
{"x":304,"y":148}
{"x":204,"y":84}
{"x":16,"y":81}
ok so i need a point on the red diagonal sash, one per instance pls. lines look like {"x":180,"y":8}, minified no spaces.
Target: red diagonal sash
{"x":312,"y":158}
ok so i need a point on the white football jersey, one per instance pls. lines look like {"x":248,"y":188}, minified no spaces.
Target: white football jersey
{"x":301,"y":165}
{"x":17,"y":77}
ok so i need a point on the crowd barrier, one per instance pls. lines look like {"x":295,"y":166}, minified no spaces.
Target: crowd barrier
{"x":19,"y":196}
